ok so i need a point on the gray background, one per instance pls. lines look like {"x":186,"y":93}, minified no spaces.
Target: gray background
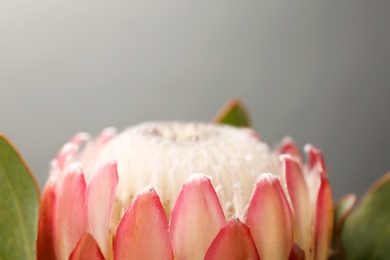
{"x":318,"y":71}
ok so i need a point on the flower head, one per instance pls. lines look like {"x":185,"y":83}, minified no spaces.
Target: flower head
{"x":161,"y":190}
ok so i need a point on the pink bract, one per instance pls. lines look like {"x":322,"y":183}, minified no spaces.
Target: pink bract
{"x":185,"y":191}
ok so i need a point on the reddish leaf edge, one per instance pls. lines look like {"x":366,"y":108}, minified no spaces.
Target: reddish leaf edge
{"x":3,"y":136}
{"x":340,"y":254}
{"x":229,"y":106}
{"x":374,"y":187}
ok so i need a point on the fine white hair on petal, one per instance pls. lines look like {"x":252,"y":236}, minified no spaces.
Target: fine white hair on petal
{"x":146,"y":190}
{"x":307,"y":147}
{"x":74,"y":167}
{"x":197,"y":177}
{"x":166,"y":154}
{"x":67,"y":148}
{"x":268,"y":177}
{"x":283,"y":156}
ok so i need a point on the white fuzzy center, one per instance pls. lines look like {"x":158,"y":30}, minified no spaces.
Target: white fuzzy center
{"x":165,"y":155}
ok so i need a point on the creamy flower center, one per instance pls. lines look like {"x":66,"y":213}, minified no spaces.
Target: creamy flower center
{"x":181,"y":133}
{"x":165,"y":154}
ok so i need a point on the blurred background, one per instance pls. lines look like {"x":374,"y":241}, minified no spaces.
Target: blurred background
{"x":318,"y":71}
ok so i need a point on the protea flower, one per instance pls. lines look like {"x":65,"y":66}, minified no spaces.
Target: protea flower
{"x":185,"y":191}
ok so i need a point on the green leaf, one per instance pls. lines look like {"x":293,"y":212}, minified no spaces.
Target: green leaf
{"x":366,"y":234}
{"x":19,"y":200}
{"x":233,"y":113}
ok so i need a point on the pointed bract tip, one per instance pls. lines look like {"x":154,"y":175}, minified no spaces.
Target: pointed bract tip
{"x":147,"y":190}
{"x":196,"y":218}
{"x":106,"y":135}
{"x":268,"y":205}
{"x":285,"y":157}
{"x":308,"y":147}
{"x":268,"y":178}
{"x":198,"y":177}
{"x":75,"y":168}
{"x":79,"y":138}
{"x":315,"y":158}
{"x":110,"y":163}
{"x":233,"y":241}
{"x":287,"y":139}
{"x":109,"y":131}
